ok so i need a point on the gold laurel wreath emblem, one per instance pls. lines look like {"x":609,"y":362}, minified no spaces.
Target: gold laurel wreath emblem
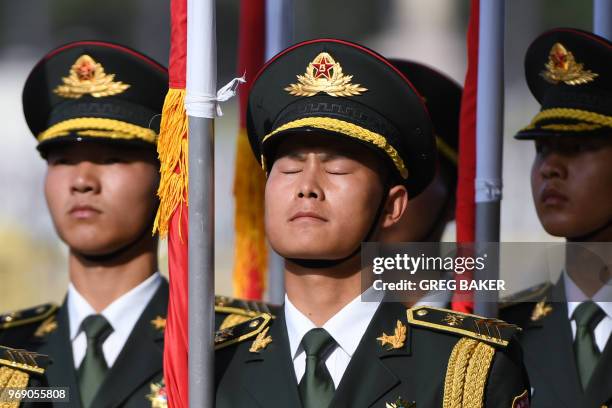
{"x":324,"y":74}
{"x":562,"y":67}
{"x":87,"y":77}
{"x":395,"y":340}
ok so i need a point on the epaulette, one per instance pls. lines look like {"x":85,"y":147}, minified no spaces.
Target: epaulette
{"x":492,"y":331}
{"x":241,"y":331}
{"x":27,"y":316}
{"x":16,"y":367}
{"x":239,"y":310}
{"x":533,"y":294}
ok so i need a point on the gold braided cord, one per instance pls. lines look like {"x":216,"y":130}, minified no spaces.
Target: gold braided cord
{"x":456,"y":372}
{"x":571,"y":114}
{"x":577,"y":127}
{"x":348,"y":129}
{"x":476,"y":376}
{"x":446,"y":150}
{"x":115,"y":129}
{"x":14,"y":379}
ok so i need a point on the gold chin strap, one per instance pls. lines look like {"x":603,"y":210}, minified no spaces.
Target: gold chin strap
{"x":466,"y":374}
{"x":590,"y":120}
{"x":99,"y":127}
{"x":348,"y":129}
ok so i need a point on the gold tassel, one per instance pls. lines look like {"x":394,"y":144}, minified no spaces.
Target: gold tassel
{"x":251,"y":254}
{"x":172,"y":149}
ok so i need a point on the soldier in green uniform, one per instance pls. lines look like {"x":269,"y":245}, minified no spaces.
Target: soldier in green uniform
{"x":427,"y":215}
{"x":346,"y":141}
{"x":567,"y":324}
{"x":94,"y":109}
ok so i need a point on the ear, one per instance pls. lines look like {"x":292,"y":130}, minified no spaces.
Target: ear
{"x":397,"y":201}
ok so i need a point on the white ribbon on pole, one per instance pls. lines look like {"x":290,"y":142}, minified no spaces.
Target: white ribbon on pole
{"x":207,"y":106}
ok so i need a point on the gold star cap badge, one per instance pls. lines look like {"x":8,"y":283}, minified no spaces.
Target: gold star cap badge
{"x":87,"y":77}
{"x":324,"y":74}
{"x":563,"y":67}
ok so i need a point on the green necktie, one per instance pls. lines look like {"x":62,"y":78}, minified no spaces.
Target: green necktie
{"x":93,"y":368}
{"x":316,"y":387}
{"x":587,"y":315}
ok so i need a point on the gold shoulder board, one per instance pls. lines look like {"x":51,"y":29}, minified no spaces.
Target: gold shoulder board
{"x":492,"y":331}
{"x":532,"y":294}
{"x":242,"y":331}
{"x":238,"y":310}
{"x":16,"y":366}
{"x":26,"y":316}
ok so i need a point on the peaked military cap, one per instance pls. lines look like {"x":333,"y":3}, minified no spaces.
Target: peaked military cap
{"x":94,"y":90}
{"x":342,"y":89}
{"x":442,"y":96}
{"x":569,"y":72}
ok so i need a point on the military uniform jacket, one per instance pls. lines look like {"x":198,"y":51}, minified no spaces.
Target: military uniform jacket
{"x":411,"y":375}
{"x":134,"y":377}
{"x":549,"y":355}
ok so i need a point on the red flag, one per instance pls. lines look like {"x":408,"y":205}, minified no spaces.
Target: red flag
{"x":171,"y":220}
{"x":466,"y":205}
{"x":250,"y":251}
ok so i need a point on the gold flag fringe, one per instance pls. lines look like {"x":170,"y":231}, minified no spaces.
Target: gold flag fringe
{"x":172,"y":149}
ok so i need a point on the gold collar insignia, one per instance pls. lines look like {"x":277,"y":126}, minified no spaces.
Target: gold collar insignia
{"x":324,"y":74}
{"x":541,"y":310}
{"x":159,"y":323}
{"x":396,"y":340}
{"x":562,"y":67}
{"x":158,"y":395}
{"x":49,"y":325}
{"x":261,"y":341}
{"x":87,"y":77}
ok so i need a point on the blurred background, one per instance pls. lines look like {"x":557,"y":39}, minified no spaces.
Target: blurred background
{"x":33,"y":265}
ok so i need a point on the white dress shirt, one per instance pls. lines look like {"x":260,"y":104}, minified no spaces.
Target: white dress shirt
{"x":347,"y":327}
{"x":122,"y":315}
{"x":603,"y":298}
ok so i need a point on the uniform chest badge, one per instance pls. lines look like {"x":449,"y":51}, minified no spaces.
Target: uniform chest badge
{"x":400,"y":403}
{"x":395,"y":340}
{"x":87,"y":77}
{"x":562,"y":67}
{"x":158,"y":395}
{"x":324,"y":74}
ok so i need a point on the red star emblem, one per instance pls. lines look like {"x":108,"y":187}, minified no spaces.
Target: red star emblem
{"x":85,"y":71}
{"x":323,"y":68}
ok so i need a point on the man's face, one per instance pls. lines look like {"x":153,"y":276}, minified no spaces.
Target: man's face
{"x":321,"y":197}
{"x":100,"y":197}
{"x":571,"y":181}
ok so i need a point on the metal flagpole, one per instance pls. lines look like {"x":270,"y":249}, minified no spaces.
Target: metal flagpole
{"x":489,"y":134}
{"x":200,"y":104}
{"x":279,"y":35}
{"x":602,"y":18}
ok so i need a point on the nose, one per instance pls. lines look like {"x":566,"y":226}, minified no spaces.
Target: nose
{"x":85,"y":179}
{"x":310,"y":185}
{"x":552,"y":165}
